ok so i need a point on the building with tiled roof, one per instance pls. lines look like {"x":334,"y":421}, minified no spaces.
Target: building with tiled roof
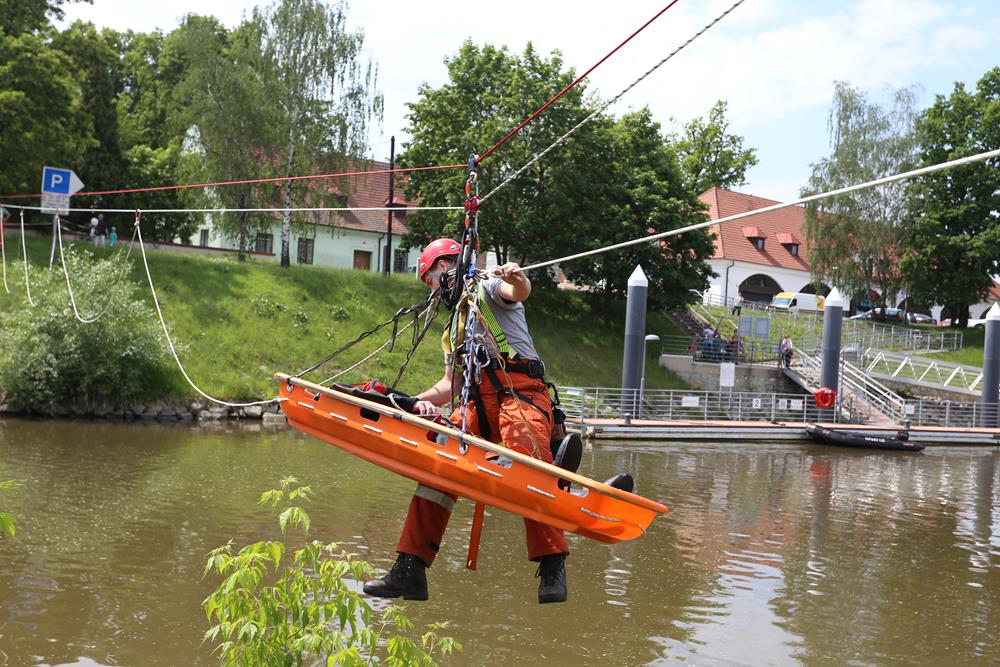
{"x":764,"y":254}
{"x":343,"y":239}
{"x":757,"y":256}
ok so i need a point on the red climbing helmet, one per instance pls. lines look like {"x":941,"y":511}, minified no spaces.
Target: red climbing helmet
{"x":434,"y":251}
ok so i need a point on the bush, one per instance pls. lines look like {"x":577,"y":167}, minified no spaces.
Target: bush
{"x":49,"y":359}
{"x":6,"y":520}
{"x":272,"y":609}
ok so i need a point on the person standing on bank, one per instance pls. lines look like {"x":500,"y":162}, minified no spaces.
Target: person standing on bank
{"x":101,"y":232}
{"x":511,"y":406}
{"x":738,"y":304}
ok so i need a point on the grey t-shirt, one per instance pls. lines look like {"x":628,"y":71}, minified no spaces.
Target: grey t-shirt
{"x":510,"y":317}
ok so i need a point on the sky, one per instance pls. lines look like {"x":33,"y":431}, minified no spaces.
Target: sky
{"x":773,"y":61}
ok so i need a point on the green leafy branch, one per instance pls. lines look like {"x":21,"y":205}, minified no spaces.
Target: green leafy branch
{"x":279,"y":609}
{"x":6,"y":520}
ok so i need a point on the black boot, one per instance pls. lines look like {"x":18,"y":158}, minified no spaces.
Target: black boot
{"x":552,"y":572}
{"x":406,"y":579}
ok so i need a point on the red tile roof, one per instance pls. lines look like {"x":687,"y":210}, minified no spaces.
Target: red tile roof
{"x":754,"y":233}
{"x":732,"y":243}
{"x":365,"y":191}
{"x":788,"y":239}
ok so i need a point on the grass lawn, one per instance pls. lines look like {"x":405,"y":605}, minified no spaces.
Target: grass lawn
{"x":971,"y":353}
{"x":237,"y":324}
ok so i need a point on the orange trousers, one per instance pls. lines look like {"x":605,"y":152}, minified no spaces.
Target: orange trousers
{"x":430,"y":509}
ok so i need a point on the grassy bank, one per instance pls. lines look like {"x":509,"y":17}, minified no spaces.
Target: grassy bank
{"x":237,"y":324}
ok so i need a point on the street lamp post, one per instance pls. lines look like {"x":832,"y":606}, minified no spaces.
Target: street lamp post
{"x":651,"y":338}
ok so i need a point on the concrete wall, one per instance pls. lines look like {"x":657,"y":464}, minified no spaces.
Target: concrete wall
{"x":705,"y":376}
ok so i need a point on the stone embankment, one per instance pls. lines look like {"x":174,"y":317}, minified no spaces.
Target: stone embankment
{"x":169,"y":411}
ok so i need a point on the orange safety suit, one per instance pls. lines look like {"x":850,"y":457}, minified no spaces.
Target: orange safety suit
{"x":430,"y":509}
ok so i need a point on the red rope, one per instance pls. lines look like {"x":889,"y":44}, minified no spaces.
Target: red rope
{"x":578,"y":79}
{"x":256,"y":180}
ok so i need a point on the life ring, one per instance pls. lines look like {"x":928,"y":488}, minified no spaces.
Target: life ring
{"x":825,"y":398}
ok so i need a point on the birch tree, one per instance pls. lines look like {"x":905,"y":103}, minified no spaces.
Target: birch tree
{"x":324,"y":89}
{"x":855,"y":238}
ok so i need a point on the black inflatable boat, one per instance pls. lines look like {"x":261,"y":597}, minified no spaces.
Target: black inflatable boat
{"x":853,"y":439}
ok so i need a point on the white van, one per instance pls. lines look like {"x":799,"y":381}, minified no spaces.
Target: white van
{"x":793,"y":302}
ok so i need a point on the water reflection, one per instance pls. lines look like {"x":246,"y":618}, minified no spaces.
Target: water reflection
{"x":770,"y":554}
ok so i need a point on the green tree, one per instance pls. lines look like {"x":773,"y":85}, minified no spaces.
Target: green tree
{"x":951,"y":249}
{"x":855,"y":238}
{"x":29,"y":16}
{"x":610,"y":182}
{"x":42,"y":116}
{"x":281,"y":607}
{"x":148,"y":77}
{"x":490,"y":91}
{"x":96,"y":65}
{"x":325,"y":94}
{"x":219,"y":110}
{"x":644,"y":193}
{"x":709,"y":156}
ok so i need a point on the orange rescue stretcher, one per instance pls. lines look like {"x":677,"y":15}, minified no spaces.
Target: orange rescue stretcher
{"x":441,"y":457}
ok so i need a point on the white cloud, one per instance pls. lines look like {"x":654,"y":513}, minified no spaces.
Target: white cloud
{"x":770,"y":59}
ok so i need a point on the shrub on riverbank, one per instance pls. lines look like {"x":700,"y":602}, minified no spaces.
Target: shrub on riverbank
{"x":50,"y":362}
{"x":277,"y":606}
{"x":238,"y":324}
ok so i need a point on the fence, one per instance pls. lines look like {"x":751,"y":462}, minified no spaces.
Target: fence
{"x":873,"y":401}
{"x":674,"y":404}
{"x":720,"y":349}
{"x":926,"y":371}
{"x":682,"y":405}
{"x":806,"y":328}
{"x":957,"y":414}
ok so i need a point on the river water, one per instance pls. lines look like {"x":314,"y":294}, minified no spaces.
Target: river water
{"x":770,"y":555}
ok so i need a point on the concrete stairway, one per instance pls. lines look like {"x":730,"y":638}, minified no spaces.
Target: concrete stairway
{"x":686,"y":323}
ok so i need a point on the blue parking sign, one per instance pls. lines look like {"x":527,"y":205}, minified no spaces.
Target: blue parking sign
{"x":57,"y":181}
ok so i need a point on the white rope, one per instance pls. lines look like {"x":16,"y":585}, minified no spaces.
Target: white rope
{"x":979,"y":157}
{"x":614,"y":99}
{"x":170,"y":342}
{"x":3,"y":251}
{"x":69,"y":287}
{"x":316,"y":209}
{"x":24,"y":254}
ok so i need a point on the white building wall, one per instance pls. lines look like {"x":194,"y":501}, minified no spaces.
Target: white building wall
{"x":334,"y":247}
{"x":789,"y":280}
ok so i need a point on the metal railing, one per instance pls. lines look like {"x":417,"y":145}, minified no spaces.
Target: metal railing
{"x":675,"y":404}
{"x":930,"y":372}
{"x":956,"y":414}
{"x":872,"y":400}
{"x":719,"y":349}
{"x":582,"y":403}
{"x":808,"y":325}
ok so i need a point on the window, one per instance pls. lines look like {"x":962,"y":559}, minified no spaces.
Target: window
{"x":264,"y":243}
{"x":305,"y":251}
{"x":399,"y":261}
{"x":757,"y":243}
{"x":793,"y":249}
{"x":363,"y":260}
{"x":203,"y":237}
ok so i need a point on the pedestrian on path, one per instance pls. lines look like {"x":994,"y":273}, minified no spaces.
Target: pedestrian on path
{"x":787,"y":350}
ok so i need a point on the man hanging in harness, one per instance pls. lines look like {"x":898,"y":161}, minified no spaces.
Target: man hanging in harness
{"x":510,"y":404}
